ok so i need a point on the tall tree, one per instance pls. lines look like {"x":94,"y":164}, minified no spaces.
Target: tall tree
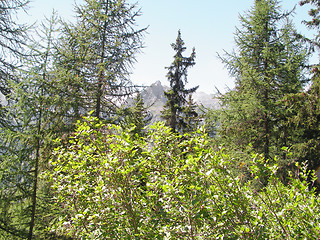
{"x":11,"y":42}
{"x":267,"y":65}
{"x":314,"y":23}
{"x":97,"y":53}
{"x":303,"y":109}
{"x":177,"y":94}
{"x":26,"y":143}
{"x":303,"y":119}
{"x":12,"y":38}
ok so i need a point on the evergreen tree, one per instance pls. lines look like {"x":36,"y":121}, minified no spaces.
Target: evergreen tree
{"x":267,"y":66}
{"x":211,"y":120}
{"x":11,"y":43}
{"x":303,"y":119}
{"x":26,"y":143}
{"x":177,"y":94}
{"x":12,"y":37}
{"x":136,"y":116}
{"x":97,"y":53}
{"x":303,"y":109}
{"x":190,"y":115}
{"x":314,"y":23}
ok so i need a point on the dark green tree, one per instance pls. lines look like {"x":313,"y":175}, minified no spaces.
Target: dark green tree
{"x":190,"y":115}
{"x":97,"y":53}
{"x":314,"y":23}
{"x":177,"y":94}
{"x":303,"y":118}
{"x":303,"y":109}
{"x":136,"y":116}
{"x":267,"y":65}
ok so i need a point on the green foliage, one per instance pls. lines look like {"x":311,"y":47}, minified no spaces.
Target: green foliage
{"x":135,"y":115}
{"x":168,"y":186}
{"x":267,"y":65}
{"x":303,"y":118}
{"x":26,"y":141}
{"x":190,"y":115}
{"x":314,"y":23}
{"x":58,"y":80}
{"x":163,"y":182}
{"x":12,"y":40}
{"x":96,"y":56}
{"x":303,"y":109}
{"x":175,"y":111}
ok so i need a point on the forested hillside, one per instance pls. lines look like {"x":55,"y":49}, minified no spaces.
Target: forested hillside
{"x":83,"y":157}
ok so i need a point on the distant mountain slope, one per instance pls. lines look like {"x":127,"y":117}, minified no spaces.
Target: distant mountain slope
{"x":3,"y":100}
{"x":154,"y":98}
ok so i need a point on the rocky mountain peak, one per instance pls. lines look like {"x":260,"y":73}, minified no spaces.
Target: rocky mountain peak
{"x":154,"y":93}
{"x":154,"y":98}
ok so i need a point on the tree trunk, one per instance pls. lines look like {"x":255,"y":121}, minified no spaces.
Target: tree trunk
{"x":101,"y":77}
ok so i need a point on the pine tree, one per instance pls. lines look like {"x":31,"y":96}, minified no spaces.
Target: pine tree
{"x":314,"y":23}
{"x":268,"y":66}
{"x":97,"y":53}
{"x":11,"y":39}
{"x":177,"y":94}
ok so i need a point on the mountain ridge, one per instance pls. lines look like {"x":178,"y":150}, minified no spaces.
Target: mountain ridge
{"x":154,"y":99}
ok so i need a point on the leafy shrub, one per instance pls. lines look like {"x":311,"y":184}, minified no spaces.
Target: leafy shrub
{"x":110,"y":185}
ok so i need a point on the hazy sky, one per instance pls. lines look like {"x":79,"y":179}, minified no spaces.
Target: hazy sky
{"x":207,"y":25}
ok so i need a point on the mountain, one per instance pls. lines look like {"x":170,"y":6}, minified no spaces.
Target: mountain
{"x":3,"y":100}
{"x":154,"y":98}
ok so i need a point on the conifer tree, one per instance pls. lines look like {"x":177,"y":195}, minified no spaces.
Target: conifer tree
{"x":314,"y":23}
{"x":11,"y":42}
{"x":177,"y":94}
{"x":26,"y":143}
{"x":267,"y":65}
{"x":190,"y":115}
{"x":12,"y":39}
{"x":303,"y":119}
{"x":136,"y":116}
{"x":97,"y":53}
{"x":303,"y":109}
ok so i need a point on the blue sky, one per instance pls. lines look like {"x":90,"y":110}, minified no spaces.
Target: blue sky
{"x":207,"y":25}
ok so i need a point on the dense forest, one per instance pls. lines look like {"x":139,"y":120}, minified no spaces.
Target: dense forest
{"x":79,"y":158}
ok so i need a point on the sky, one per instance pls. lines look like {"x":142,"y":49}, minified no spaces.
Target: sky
{"x":206,"y":25}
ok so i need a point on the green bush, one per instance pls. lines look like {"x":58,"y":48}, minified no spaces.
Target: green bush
{"x":110,"y":185}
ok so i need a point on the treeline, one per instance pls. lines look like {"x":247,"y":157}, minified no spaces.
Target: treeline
{"x":244,"y":171}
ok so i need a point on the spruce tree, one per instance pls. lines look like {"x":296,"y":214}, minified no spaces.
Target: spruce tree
{"x":267,"y":65}
{"x":177,"y":94}
{"x":190,"y":115}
